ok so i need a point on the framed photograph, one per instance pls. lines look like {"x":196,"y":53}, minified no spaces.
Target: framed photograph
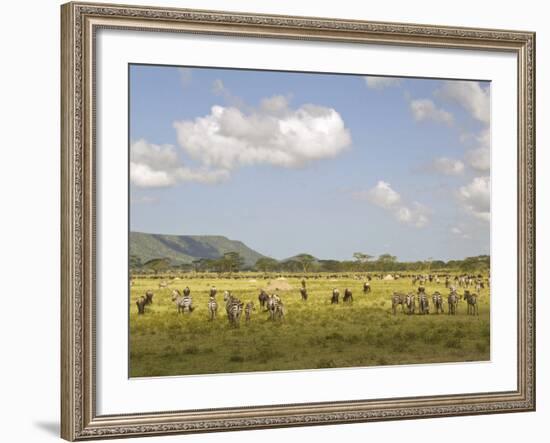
{"x":277,"y":221}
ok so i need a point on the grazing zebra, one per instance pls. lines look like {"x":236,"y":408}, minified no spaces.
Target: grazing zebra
{"x":366,"y":287}
{"x":335,"y":296}
{"x":184,"y":303}
{"x":348,"y":297}
{"x":213,"y":291}
{"x":438,"y":302}
{"x":303,"y":293}
{"x":212,"y":307}
{"x":262,"y":298}
{"x":410,"y":302}
{"x":234,"y":311}
{"x":471,"y":299}
{"x":149,"y":298}
{"x":421,"y":289}
{"x":423,"y":303}
{"x":141,"y":302}
{"x":248,"y":310}
{"x":275,"y":307}
{"x":452,"y":301}
{"x":397,"y":299}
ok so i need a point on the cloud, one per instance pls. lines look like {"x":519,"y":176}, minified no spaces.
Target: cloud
{"x":455,"y":230}
{"x":480,"y":158}
{"x":383,"y":196}
{"x":186,"y":75}
{"x":374,"y":82}
{"x":476,"y":197}
{"x":425,"y":109}
{"x":272,"y":134}
{"x":447,"y":166}
{"x":153,"y":166}
{"x":470,"y":95}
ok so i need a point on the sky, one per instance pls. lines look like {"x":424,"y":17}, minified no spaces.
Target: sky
{"x":326,"y":164}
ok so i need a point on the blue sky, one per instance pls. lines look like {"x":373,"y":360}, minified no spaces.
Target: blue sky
{"x":307,"y":162}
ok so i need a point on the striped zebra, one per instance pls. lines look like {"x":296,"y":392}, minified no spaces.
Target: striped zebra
{"x":303,"y":293}
{"x":410,"y":303}
{"x":262,"y":298}
{"x":248,"y":310}
{"x":183,"y":303}
{"x":396,"y":300}
{"x":149,"y":297}
{"x":213,"y":291}
{"x":212,"y":308}
{"x":141,"y":302}
{"x":471,"y":299}
{"x":423,"y":303}
{"x":452,"y":301}
{"x":234,"y":311}
{"x":335,"y":296}
{"x":348,"y":297}
{"x":438,"y":302}
{"x":275,"y":307}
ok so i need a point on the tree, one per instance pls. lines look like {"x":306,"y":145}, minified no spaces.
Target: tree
{"x":232,"y":261}
{"x":387,"y":262}
{"x":135,"y":262}
{"x":266,"y":264}
{"x":157,"y":264}
{"x":362,"y":259}
{"x":306,"y":260}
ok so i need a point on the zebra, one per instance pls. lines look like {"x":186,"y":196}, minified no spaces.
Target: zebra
{"x":163,"y":284}
{"x":248,"y":310}
{"x":410,"y":302}
{"x":348,"y":297}
{"x":423,"y":303}
{"x":149,"y":298}
{"x":275,"y":307}
{"x":438,"y":302}
{"x":213,"y":291}
{"x":262,"y":298}
{"x":452,"y":301}
{"x":184,"y":303}
{"x":397,"y":299}
{"x":234,"y":311}
{"x":187,"y":291}
{"x":335,"y":296}
{"x":212,"y":307}
{"x":141,"y":302}
{"x":303,"y":293}
{"x":471,"y":299}
{"x":366,"y":287}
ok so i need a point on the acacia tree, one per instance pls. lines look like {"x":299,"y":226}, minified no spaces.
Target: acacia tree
{"x":232,"y":261}
{"x":362,"y":259}
{"x":306,"y":260}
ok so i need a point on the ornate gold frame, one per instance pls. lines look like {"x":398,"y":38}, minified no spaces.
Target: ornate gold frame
{"x":80,"y":21}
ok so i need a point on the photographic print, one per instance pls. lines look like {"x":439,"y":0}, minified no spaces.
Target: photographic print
{"x":302,"y":220}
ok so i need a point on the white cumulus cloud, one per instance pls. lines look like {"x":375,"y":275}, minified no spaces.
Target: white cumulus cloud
{"x":476,"y":197}
{"x":374,"y":82}
{"x":153,"y":166}
{"x":383,"y":196}
{"x":447,"y":166}
{"x":425,"y":109}
{"x":273,"y":134}
{"x":471,"y":95}
{"x":479,"y":158}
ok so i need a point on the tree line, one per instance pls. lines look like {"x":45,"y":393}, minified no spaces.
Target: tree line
{"x":233,"y":262}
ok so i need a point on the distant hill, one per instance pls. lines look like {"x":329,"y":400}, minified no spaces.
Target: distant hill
{"x":182,"y":249}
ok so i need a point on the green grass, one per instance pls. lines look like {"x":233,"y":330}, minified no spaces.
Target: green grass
{"x":314,"y":334}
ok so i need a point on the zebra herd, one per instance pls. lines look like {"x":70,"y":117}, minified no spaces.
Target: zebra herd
{"x":408,"y":302}
{"x":411,"y":302}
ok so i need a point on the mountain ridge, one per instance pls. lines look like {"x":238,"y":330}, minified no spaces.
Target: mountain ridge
{"x":184,"y":249}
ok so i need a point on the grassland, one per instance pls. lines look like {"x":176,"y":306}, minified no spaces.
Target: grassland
{"x":314,"y":334}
